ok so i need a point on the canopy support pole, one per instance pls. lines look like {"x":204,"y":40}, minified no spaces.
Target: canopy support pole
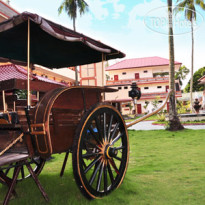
{"x":103,"y":71}
{"x":103,"y":74}
{"x":4,"y":100}
{"x":28,"y":67}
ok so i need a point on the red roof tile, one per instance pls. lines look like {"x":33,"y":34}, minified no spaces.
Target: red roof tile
{"x":140,"y":62}
{"x":11,"y":71}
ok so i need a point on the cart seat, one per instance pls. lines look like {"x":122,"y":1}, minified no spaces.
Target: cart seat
{"x":8,"y":158}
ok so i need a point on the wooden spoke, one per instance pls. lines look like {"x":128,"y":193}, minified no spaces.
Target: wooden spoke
{"x":37,"y":164}
{"x":94,"y":173}
{"x":119,"y":148}
{"x":117,"y":138}
{"x":119,"y":159}
{"x":100,"y":177}
{"x":98,"y":128}
{"x":109,"y":128}
{"x":92,"y":164}
{"x":110,"y":173}
{"x":94,"y":135}
{"x":114,"y":131}
{"x":105,"y":178}
{"x":22,"y":172}
{"x":87,"y":155}
{"x":104,"y":126}
{"x":114,"y":166}
{"x":84,"y":165}
{"x":7,"y":170}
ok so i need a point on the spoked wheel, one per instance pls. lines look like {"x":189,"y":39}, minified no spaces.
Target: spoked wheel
{"x":36,"y":163}
{"x":100,"y":151}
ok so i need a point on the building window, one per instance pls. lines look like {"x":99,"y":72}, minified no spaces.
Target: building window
{"x":160,"y":101}
{"x":125,"y":87}
{"x":88,"y":70}
{"x":124,"y":73}
{"x":177,"y":87}
{"x":146,"y":88}
{"x":145,"y":71}
{"x":119,"y":88}
{"x":159,"y":86}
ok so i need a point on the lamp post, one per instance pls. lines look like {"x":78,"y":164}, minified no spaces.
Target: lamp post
{"x":135,"y":94}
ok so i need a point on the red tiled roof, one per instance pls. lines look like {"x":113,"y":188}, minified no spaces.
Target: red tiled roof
{"x":11,"y":71}
{"x":140,"y":62}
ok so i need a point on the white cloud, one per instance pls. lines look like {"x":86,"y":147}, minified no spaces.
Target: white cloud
{"x":100,"y":12}
{"x":96,"y":7}
{"x":117,"y":6}
{"x":141,"y":10}
{"x":116,"y":16}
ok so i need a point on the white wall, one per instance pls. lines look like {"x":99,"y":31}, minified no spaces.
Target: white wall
{"x":144,"y":72}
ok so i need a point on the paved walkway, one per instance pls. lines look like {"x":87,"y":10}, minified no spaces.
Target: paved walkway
{"x":147,"y":125}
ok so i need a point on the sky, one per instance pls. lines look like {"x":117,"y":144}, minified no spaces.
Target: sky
{"x":135,"y":27}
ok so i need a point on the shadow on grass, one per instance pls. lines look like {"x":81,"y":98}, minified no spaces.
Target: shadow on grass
{"x":62,"y":191}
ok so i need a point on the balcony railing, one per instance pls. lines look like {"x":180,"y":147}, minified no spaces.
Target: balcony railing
{"x":160,"y":94}
{"x":140,"y":80}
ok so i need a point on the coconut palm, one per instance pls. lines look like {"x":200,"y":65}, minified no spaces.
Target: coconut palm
{"x":189,"y":9}
{"x":174,"y":122}
{"x":71,"y":7}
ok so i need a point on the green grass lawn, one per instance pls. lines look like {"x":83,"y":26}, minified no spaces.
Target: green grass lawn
{"x":165,"y":168}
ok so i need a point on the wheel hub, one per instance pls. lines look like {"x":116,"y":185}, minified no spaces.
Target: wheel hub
{"x":110,"y":152}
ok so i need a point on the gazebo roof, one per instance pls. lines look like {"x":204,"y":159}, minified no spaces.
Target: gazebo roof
{"x":12,"y":71}
{"x":52,"y":45}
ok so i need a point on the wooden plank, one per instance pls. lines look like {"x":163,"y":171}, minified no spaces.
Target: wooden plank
{"x":8,"y":158}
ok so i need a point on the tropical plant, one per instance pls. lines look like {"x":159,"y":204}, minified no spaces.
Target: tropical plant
{"x":181,"y":74}
{"x":21,"y":94}
{"x":71,"y":7}
{"x":130,"y":106}
{"x":155,"y":103}
{"x":189,"y":9}
{"x":182,"y":107}
{"x":196,"y":86}
{"x":174,"y":122}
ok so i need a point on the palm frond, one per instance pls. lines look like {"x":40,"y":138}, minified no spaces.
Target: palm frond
{"x":82,"y":6}
{"x":61,"y":7}
{"x":201,"y":3}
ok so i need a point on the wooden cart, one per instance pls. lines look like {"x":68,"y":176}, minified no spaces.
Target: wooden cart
{"x":66,"y":119}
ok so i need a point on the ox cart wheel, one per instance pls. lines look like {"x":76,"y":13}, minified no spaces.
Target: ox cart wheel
{"x":100,"y":151}
{"x":36,"y":163}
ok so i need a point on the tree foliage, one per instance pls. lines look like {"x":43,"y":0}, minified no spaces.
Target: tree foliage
{"x":71,"y":7}
{"x":181,"y":74}
{"x":196,"y":87}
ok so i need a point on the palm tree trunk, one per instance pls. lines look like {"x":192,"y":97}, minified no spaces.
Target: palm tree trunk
{"x":192,"y":67}
{"x":74,"y":27}
{"x":174,"y":123}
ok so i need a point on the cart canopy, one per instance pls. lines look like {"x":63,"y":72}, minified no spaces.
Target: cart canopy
{"x":51,"y":44}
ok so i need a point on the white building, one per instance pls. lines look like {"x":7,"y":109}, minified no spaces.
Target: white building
{"x":152,"y":77}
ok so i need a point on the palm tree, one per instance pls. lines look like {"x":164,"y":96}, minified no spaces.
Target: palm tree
{"x":174,"y":122}
{"x":71,"y":7}
{"x":190,"y":14}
